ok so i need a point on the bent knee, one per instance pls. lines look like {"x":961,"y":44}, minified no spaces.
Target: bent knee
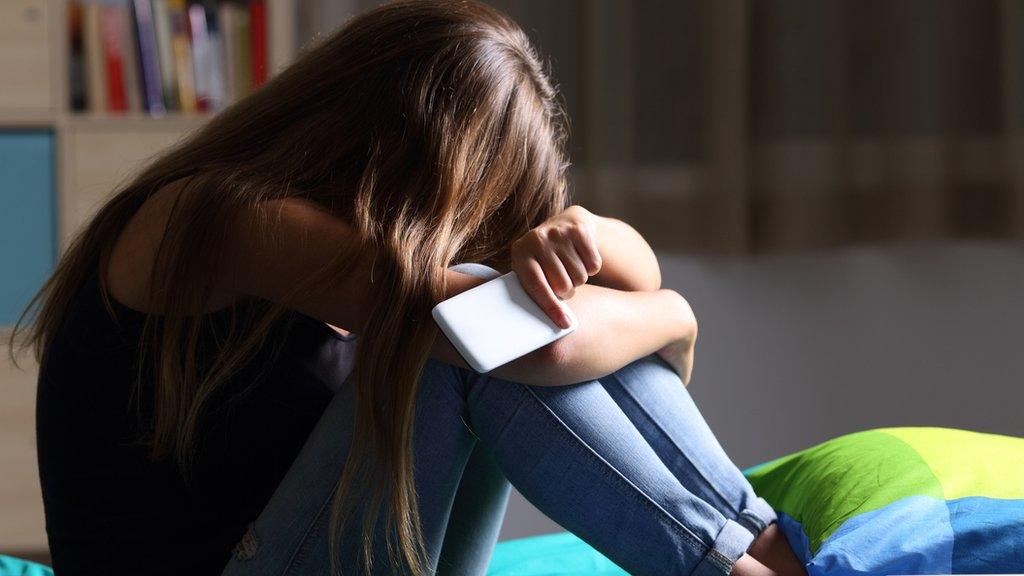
{"x":460,"y":380}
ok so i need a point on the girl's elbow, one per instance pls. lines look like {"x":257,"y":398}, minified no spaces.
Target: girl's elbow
{"x":688,"y":319}
{"x":653,"y":281}
{"x":654,"y":276}
{"x":648,"y":281}
{"x":555,"y":364}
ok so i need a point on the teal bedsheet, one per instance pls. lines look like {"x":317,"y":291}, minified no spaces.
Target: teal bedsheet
{"x":15,"y":567}
{"x":551,"y":555}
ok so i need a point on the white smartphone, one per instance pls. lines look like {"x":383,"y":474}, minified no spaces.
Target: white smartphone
{"x":496,"y":322}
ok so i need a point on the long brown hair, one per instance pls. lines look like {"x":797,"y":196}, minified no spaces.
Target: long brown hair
{"x":432,"y":128}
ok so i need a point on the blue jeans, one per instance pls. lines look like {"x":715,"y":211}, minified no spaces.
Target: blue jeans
{"x":625,"y":462}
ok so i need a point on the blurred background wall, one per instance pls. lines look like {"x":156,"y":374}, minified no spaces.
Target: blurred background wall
{"x":835,"y":185}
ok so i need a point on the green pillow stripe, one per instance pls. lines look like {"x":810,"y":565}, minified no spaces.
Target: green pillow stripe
{"x":969,"y":463}
{"x":825,"y":485}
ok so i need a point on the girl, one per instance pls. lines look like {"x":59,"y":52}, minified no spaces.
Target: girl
{"x":204,"y":399}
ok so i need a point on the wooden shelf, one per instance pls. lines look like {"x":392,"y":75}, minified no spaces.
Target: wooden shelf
{"x":135,"y":122}
{"x":22,"y":119}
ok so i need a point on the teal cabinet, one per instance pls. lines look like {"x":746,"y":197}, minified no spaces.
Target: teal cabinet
{"x":28,"y":235}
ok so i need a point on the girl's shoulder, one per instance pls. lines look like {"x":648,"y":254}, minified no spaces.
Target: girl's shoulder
{"x":130,"y":264}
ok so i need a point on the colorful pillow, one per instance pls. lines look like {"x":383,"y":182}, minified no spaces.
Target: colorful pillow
{"x":902,"y":501}
{"x":888,"y":501}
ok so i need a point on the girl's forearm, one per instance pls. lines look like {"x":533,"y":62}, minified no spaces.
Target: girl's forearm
{"x":614,"y":328}
{"x":628,"y":263}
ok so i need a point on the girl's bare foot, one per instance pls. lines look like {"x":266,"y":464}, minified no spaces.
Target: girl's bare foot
{"x":748,"y":566}
{"x":772,"y":549}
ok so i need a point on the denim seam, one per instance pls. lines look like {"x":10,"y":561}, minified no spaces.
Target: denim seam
{"x":696,"y":544}
{"x":460,"y":395}
{"x":462,"y":400}
{"x":757,"y":523}
{"x":703,"y":474}
{"x":298,"y":554}
{"x":719,"y":560}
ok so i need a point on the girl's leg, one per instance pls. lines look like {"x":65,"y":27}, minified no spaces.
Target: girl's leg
{"x":659,"y":405}
{"x":482,"y":496}
{"x":571,"y":450}
{"x":574,"y":454}
{"x":290,"y":536}
{"x":476,"y":517}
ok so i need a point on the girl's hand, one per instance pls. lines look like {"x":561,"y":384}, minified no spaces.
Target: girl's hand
{"x":554,"y":258}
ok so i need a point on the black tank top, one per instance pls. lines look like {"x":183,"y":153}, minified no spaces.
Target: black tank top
{"x":110,"y":508}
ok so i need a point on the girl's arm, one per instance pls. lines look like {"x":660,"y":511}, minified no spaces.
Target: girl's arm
{"x":629,"y":262}
{"x":569,"y":249}
{"x":615,"y":327}
{"x":577,"y":247}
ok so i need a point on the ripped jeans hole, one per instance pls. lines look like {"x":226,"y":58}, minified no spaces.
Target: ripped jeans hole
{"x":248,"y":546}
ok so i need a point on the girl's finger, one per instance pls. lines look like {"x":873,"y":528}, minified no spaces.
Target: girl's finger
{"x":573,"y":265}
{"x":535,"y":283}
{"x":586,"y":247}
{"x":558,"y":278}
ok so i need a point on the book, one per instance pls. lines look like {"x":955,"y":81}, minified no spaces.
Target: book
{"x":182,"y":55}
{"x":160,"y":55}
{"x":149,"y":63}
{"x":149,"y":60}
{"x":76,"y":58}
{"x":218,"y":96}
{"x":258,"y":42}
{"x":133,"y":87}
{"x":243,"y":56}
{"x":226,"y":53}
{"x":205,"y":57}
{"x":237,"y":43}
{"x":95,"y":70}
{"x":165,"y":52}
{"x":110,"y":28}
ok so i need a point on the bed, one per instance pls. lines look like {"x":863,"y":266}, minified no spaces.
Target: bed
{"x":884,"y":501}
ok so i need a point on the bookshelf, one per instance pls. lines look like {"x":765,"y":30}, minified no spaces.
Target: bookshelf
{"x":93,"y":150}
{"x":90,"y":153}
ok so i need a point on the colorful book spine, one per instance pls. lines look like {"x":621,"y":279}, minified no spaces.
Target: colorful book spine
{"x":168,"y":75}
{"x":149,"y":58}
{"x":110,"y":25}
{"x":258,"y":42}
{"x":226,"y":14}
{"x":182,"y":55}
{"x":76,"y":59}
{"x":95,"y":70}
{"x":243,"y":55}
{"x":203,"y":57}
{"x":130,"y":54}
{"x":218,"y":98}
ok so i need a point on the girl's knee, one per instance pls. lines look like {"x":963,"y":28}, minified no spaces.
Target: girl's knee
{"x":458,"y":379}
